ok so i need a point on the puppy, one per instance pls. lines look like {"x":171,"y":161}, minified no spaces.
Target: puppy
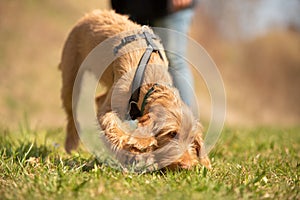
{"x":164,"y":128}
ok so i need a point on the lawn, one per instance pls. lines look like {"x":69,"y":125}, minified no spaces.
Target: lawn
{"x":260,"y":163}
{"x":260,"y":76}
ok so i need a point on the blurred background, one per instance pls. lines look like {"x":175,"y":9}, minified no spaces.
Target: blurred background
{"x":255,"y":44}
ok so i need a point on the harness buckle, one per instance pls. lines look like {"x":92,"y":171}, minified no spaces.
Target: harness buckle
{"x":134,"y":111}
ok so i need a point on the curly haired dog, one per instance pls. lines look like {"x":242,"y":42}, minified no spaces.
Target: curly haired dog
{"x":166,"y":130}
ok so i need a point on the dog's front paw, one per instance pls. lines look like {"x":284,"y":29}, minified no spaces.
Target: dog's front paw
{"x":142,"y":144}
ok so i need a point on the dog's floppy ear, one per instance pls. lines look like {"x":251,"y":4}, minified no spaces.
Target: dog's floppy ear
{"x":200,"y":149}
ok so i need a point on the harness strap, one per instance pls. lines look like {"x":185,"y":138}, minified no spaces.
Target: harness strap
{"x":139,"y":74}
{"x":150,"y":91}
{"x":128,"y":39}
{"x":133,"y":109}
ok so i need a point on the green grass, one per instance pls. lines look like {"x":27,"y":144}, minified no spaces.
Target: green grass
{"x":247,"y":164}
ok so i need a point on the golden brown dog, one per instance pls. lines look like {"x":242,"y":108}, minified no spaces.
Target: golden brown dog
{"x":167,"y":126}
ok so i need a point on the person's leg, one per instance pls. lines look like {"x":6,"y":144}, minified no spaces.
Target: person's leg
{"x":178,"y":67}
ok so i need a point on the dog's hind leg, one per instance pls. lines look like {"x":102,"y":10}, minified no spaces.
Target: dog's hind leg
{"x":72,"y":138}
{"x":69,"y":66}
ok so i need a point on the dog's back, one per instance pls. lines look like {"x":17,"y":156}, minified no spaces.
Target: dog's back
{"x":90,"y":31}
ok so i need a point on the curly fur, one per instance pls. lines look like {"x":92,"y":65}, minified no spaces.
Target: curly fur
{"x":166,"y":132}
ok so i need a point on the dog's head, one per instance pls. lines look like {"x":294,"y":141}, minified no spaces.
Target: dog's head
{"x":175,"y":129}
{"x":167,"y":132}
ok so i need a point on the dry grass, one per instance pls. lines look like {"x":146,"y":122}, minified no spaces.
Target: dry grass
{"x":261,"y":76}
{"x":32,"y":34}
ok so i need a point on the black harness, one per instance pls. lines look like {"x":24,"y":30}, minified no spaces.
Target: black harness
{"x":133,"y":109}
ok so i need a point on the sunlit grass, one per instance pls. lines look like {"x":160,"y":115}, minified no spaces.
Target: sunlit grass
{"x":260,"y":163}
{"x":247,"y":164}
